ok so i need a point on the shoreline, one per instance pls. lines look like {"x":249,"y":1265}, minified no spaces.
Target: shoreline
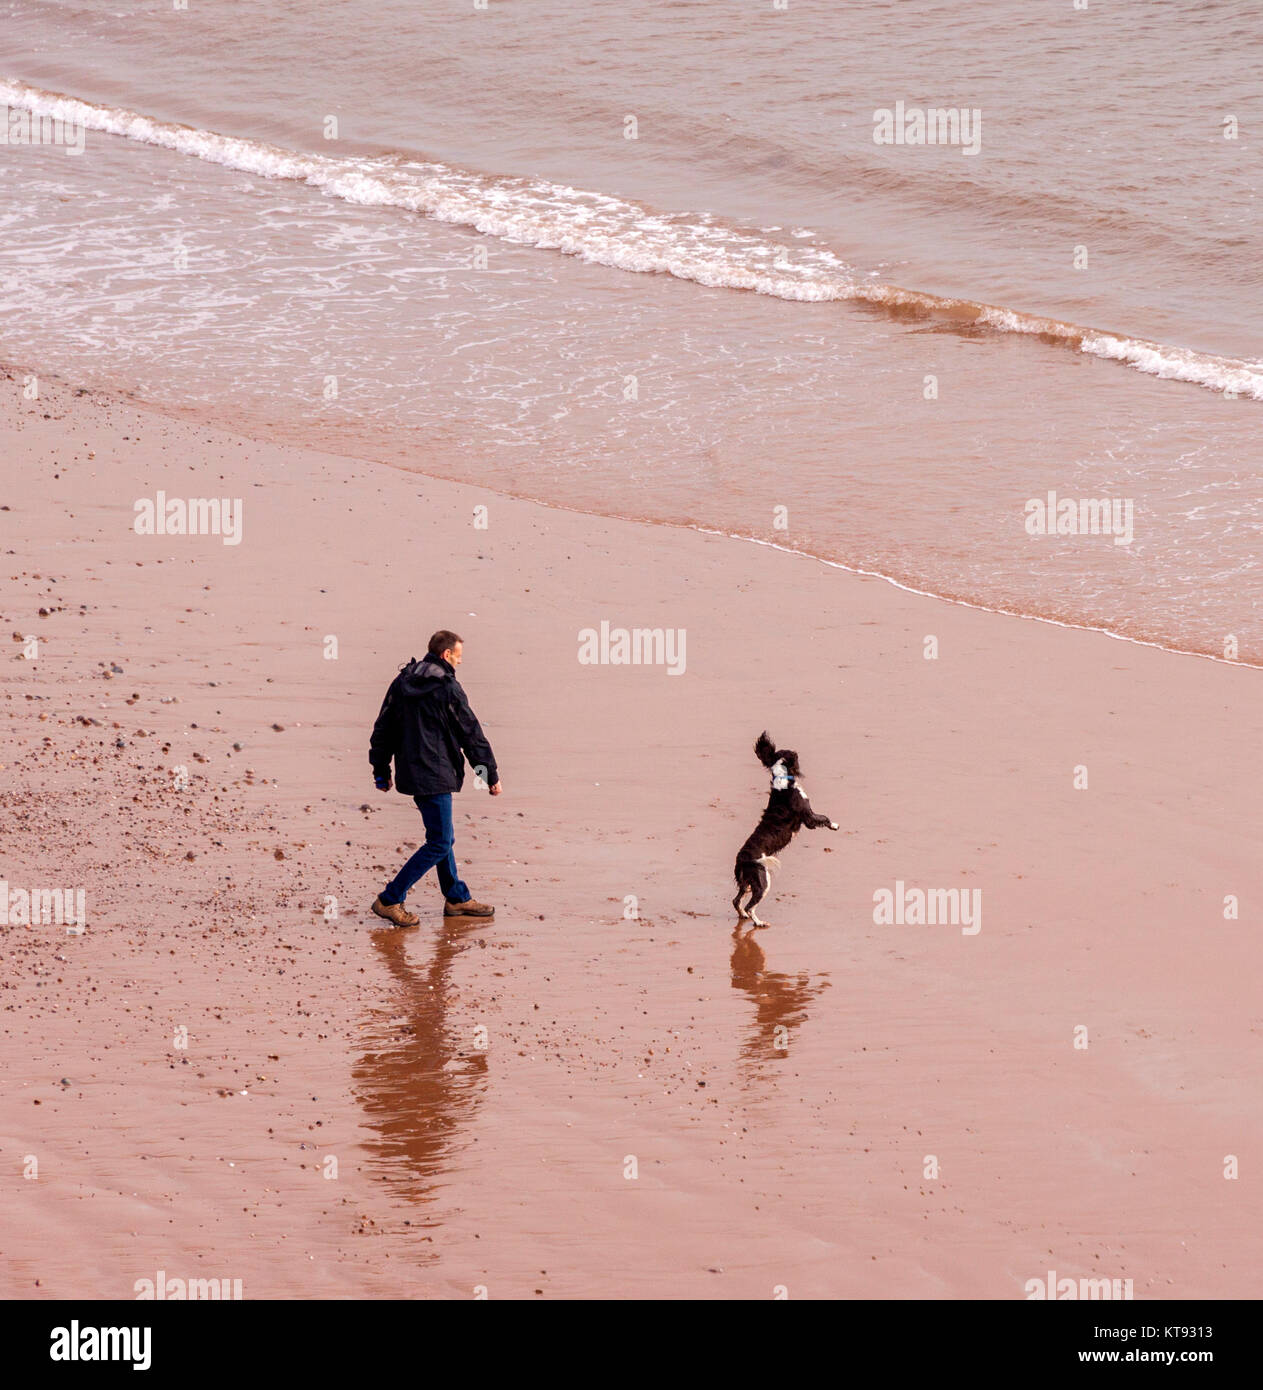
{"x":656,"y":1036}
{"x":259,"y":435}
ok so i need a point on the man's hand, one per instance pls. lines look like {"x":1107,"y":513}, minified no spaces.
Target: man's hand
{"x":382,"y":783}
{"x":496,"y":790}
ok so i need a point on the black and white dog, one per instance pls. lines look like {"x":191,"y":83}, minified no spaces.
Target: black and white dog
{"x":788,"y":810}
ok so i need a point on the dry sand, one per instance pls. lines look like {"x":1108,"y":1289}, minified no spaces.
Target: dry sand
{"x":778,"y":1095}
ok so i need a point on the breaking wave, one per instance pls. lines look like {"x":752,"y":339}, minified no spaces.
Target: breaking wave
{"x":624,"y":235}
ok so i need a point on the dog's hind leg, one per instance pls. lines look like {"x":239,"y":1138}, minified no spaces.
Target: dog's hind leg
{"x":756,"y":897}
{"x":746,"y":874}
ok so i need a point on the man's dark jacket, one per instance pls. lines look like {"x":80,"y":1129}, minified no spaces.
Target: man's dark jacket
{"x":425,"y":725}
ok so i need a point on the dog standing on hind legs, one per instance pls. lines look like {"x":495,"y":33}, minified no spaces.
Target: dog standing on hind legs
{"x":787,"y":811}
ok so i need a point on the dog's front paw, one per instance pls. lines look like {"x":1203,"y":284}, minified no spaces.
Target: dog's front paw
{"x":833,"y":825}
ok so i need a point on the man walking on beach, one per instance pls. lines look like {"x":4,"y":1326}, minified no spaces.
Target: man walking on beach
{"x":428,"y":729}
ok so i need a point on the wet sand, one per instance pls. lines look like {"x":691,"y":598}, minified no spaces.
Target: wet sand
{"x":777,"y":1095}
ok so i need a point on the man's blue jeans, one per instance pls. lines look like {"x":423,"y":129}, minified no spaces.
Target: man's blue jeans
{"x":436,"y":813}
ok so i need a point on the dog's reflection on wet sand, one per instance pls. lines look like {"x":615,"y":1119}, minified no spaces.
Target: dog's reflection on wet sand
{"x":781,"y":1001}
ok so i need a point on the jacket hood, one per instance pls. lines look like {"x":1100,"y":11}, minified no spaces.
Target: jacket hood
{"x":425,"y":678}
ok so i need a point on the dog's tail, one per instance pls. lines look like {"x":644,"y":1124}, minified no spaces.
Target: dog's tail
{"x":765,"y":749}
{"x":770,"y":862}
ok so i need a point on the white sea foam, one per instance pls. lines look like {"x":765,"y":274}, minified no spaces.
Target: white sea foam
{"x":622,"y":235}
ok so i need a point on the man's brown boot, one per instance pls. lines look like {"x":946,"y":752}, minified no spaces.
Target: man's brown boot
{"x":396,"y":913}
{"x":469,"y":908}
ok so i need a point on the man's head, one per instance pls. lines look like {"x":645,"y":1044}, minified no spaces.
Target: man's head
{"x":446,"y":645}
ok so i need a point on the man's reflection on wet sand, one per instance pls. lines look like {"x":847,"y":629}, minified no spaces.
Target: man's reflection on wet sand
{"x":420,"y":1085}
